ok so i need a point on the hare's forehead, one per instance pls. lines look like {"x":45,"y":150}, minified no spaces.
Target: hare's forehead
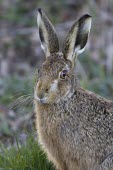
{"x":52,"y":67}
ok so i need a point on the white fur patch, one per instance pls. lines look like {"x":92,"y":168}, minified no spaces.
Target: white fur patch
{"x":36,"y":97}
{"x":67,"y":67}
{"x":54,"y":85}
{"x":78,"y":51}
{"x":87,"y":25}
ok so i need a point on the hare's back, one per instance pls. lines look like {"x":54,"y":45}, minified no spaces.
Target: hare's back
{"x":87,"y":127}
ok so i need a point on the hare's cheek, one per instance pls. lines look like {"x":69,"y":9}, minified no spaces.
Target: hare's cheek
{"x":53,"y":98}
{"x":54,"y":91}
{"x":39,"y":85}
{"x":64,"y":87}
{"x":54,"y":86}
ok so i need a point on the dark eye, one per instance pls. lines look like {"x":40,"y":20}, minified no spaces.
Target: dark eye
{"x":38,"y":70}
{"x":63,"y":74}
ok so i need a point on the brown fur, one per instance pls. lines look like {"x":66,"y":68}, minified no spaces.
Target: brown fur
{"x":75,"y":126}
{"x":78,"y":132}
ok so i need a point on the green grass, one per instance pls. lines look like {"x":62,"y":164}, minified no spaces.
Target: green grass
{"x":25,"y":157}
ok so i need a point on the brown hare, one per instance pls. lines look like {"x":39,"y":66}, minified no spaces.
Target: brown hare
{"x":75,"y":126}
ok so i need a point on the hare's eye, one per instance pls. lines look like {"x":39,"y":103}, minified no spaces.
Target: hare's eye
{"x":38,"y":70}
{"x":63,"y":74}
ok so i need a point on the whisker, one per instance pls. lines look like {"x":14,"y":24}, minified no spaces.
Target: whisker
{"x":29,"y":101}
{"x":21,"y":102}
{"x":30,"y":104}
{"x":18,"y":100}
{"x":18,"y":94}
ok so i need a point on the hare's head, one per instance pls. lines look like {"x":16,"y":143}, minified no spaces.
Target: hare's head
{"x":56,"y":74}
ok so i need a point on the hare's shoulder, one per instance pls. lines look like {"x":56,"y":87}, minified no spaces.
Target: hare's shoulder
{"x":94,"y":98}
{"x":95,"y":101}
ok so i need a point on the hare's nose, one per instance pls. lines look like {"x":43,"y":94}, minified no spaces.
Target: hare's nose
{"x":42,"y":93}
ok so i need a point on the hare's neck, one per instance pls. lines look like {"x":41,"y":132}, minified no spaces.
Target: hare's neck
{"x":46,"y":118}
{"x":46,"y":111}
{"x":50,"y":113}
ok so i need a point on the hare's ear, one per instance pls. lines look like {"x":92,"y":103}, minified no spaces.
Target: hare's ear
{"x":77,"y":37}
{"x":47,"y":34}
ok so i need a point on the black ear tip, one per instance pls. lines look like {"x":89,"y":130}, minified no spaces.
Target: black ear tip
{"x":86,"y":16}
{"x":40,"y":10}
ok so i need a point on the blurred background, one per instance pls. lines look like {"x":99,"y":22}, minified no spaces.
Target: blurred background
{"x":21,"y":55}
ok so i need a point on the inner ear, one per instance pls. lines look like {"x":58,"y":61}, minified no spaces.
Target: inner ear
{"x":76,"y":38}
{"x":47,"y":34}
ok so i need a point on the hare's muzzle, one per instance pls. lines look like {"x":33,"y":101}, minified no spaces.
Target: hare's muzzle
{"x":40,"y":97}
{"x":41,"y":93}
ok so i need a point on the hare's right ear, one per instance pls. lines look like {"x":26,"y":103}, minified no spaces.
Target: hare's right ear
{"x":47,"y":34}
{"x":77,"y":37}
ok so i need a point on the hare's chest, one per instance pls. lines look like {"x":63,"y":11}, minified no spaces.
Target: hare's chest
{"x":46,"y":127}
{"x":48,"y":134}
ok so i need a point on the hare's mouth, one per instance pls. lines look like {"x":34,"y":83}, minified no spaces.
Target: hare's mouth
{"x":42,"y":100}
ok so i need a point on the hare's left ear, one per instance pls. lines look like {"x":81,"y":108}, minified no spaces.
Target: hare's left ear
{"x":47,"y":34}
{"x":77,"y":37}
